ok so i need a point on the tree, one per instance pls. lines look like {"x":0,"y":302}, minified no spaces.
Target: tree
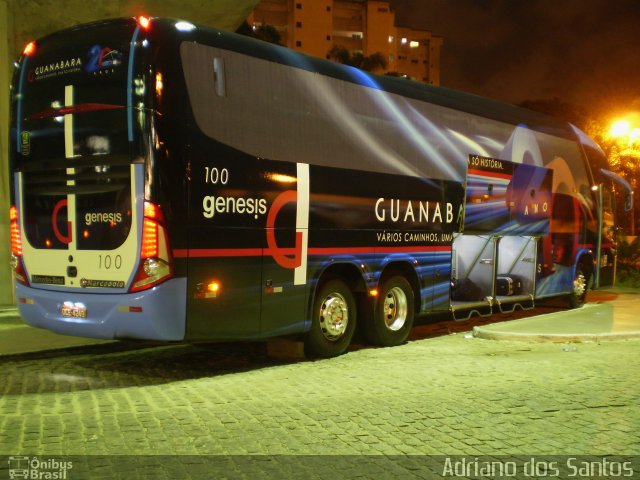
{"x":267,"y":33}
{"x":369,"y":63}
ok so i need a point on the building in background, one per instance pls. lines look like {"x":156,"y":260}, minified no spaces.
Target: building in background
{"x":361,"y":26}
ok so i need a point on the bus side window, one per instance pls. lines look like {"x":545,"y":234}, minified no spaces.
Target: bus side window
{"x":218,"y":77}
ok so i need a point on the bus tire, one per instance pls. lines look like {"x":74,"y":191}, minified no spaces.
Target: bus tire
{"x":393,"y":313}
{"x":333,"y":320}
{"x":578,"y":294}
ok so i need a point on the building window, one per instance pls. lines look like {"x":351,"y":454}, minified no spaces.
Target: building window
{"x":299,"y":6}
{"x":328,"y":37}
{"x":414,"y":44}
{"x":391,"y":39}
{"x":298,"y":43}
{"x":328,"y":8}
{"x":404,"y":41}
{"x":383,"y":10}
{"x":299,"y":24}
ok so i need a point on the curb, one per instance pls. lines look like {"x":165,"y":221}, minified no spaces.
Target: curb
{"x":595,"y":320}
{"x":479,"y":332}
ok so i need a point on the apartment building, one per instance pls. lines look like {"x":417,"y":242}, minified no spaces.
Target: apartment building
{"x":361,"y":26}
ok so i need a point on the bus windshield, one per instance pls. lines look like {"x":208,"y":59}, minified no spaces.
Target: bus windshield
{"x":72,"y":141}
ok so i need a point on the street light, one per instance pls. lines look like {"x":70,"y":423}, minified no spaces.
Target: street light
{"x":620,"y":128}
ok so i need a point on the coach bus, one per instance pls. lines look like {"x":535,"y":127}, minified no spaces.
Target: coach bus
{"x":180,"y":183}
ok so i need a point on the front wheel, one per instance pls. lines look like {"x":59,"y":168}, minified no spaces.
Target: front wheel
{"x":578,"y":294}
{"x":333,"y":320}
{"x":393,"y":314}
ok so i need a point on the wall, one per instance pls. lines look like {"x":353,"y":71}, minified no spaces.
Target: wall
{"x":26,"y":20}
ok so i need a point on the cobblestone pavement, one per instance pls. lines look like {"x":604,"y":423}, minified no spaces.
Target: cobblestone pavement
{"x":446,"y":395}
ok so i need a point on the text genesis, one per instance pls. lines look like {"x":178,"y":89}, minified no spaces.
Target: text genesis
{"x":247,"y":206}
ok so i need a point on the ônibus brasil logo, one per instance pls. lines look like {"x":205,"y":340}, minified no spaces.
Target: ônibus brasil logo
{"x":38,"y":468}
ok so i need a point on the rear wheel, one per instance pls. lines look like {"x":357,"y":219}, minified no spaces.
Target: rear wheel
{"x":578,"y":294}
{"x":333,"y":320}
{"x":393,"y":314}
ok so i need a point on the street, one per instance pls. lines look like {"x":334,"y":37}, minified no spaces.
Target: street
{"x":448,"y":394}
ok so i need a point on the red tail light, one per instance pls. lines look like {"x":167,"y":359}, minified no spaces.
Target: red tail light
{"x":144,"y":22}
{"x":16,"y":246}
{"x":16,"y":239}
{"x":149,"y":239}
{"x":156,"y":264}
{"x":29,"y":49}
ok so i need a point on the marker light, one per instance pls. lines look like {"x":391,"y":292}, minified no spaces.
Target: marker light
{"x":183,"y":26}
{"x":29,"y":49}
{"x":144,"y":22}
{"x":207,"y":290}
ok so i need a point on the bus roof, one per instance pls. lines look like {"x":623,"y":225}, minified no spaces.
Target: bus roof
{"x":445,"y":97}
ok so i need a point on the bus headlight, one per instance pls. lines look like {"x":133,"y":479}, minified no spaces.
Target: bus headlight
{"x":156,"y":268}
{"x":151,"y":266}
{"x":151,"y":272}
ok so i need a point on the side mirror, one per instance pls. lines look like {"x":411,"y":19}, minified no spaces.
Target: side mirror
{"x":628,"y":202}
{"x":628,"y":199}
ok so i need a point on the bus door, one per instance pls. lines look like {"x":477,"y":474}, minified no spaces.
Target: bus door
{"x":284,"y":262}
{"x":606,"y":275}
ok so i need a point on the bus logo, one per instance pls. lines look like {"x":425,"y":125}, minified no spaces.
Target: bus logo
{"x":102,"y":58}
{"x":290,"y":196}
{"x":66,"y":239}
{"x":282,"y":256}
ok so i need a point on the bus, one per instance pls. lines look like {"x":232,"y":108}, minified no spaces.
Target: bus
{"x":180,"y":183}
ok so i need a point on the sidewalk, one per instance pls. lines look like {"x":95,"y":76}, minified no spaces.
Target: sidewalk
{"x":612,"y":314}
{"x":17,"y":337}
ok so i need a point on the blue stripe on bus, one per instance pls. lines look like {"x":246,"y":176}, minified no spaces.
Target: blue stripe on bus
{"x":132,"y":50}
{"x":23,"y":69}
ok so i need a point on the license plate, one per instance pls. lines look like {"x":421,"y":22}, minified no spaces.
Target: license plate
{"x":73,"y":310}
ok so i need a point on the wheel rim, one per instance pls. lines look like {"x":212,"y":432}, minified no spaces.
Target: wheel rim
{"x":395,"y":309}
{"x":579,"y":284}
{"x":334,"y":316}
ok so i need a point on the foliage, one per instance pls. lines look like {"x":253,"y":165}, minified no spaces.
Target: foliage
{"x":369,"y":63}
{"x":267,"y":33}
{"x":628,"y":274}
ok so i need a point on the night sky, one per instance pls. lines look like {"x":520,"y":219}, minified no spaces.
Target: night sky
{"x":583,"y":52}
